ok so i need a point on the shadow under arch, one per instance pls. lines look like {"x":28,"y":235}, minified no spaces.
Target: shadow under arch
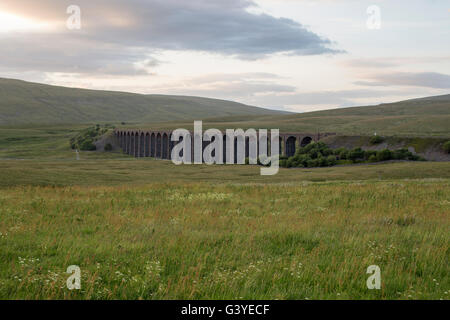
{"x":290,"y":146}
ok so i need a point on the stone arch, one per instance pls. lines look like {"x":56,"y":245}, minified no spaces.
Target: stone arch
{"x":290,"y":146}
{"x":153,"y":145}
{"x":132,"y":143}
{"x":158,"y":145}
{"x":165,"y":146}
{"x":119,"y":137}
{"x":147,"y":145}
{"x":127,"y":142}
{"x":142,"y":145}
{"x":136,"y":144}
{"x":305,"y":141}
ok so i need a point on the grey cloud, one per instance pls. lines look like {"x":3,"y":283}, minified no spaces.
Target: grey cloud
{"x":58,"y":53}
{"x":422,"y":79}
{"x":118,"y":32}
{"x":223,"y":27}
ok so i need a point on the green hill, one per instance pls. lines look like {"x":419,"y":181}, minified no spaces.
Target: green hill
{"x":24,"y":103}
{"x":428,"y":116}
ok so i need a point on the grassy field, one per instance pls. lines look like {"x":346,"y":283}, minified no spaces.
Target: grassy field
{"x":147,"y":229}
{"x":43,"y":143}
{"x":226,"y":241}
{"x":107,"y":172}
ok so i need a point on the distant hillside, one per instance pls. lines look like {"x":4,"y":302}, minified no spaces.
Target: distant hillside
{"x":437,"y":105}
{"x":23,"y":103}
{"x":428,"y":116}
{"x":32,"y":103}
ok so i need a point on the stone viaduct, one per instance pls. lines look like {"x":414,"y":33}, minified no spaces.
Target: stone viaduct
{"x":158,"y":144}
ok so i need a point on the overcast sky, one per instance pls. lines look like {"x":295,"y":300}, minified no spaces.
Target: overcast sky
{"x":296,"y":55}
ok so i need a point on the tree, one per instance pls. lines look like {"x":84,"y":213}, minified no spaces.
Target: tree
{"x":356,"y":154}
{"x":384,"y":155}
{"x":446,"y":146}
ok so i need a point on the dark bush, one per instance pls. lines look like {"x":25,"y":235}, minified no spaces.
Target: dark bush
{"x":320,"y":155}
{"x":415,"y":157}
{"x":87,"y":145}
{"x":369,"y":153}
{"x":356,"y":154}
{"x":85,"y":139}
{"x":312,"y":163}
{"x":323,"y":162}
{"x":302,"y":160}
{"x":384,"y":155}
{"x":401,"y":154}
{"x":376,"y":140}
{"x":343,"y":154}
{"x":332,"y":160}
{"x":446,"y":147}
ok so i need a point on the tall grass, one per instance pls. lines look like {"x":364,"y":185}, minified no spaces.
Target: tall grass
{"x":228,"y":241}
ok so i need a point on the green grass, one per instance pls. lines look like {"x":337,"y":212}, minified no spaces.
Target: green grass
{"x":147,"y":229}
{"x":25,"y":103}
{"x":428,"y":117}
{"x":97,"y":172}
{"x":226,"y":241}
{"x":30,"y":103}
{"x":43,"y":142}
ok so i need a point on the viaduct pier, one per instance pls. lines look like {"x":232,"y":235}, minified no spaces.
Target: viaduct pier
{"x":158,"y":144}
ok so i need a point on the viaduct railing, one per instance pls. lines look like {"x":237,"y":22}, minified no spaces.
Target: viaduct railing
{"x":158,"y":144}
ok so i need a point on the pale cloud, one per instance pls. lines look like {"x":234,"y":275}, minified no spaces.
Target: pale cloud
{"x":422,"y":79}
{"x":236,"y":86}
{"x":386,"y":62}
